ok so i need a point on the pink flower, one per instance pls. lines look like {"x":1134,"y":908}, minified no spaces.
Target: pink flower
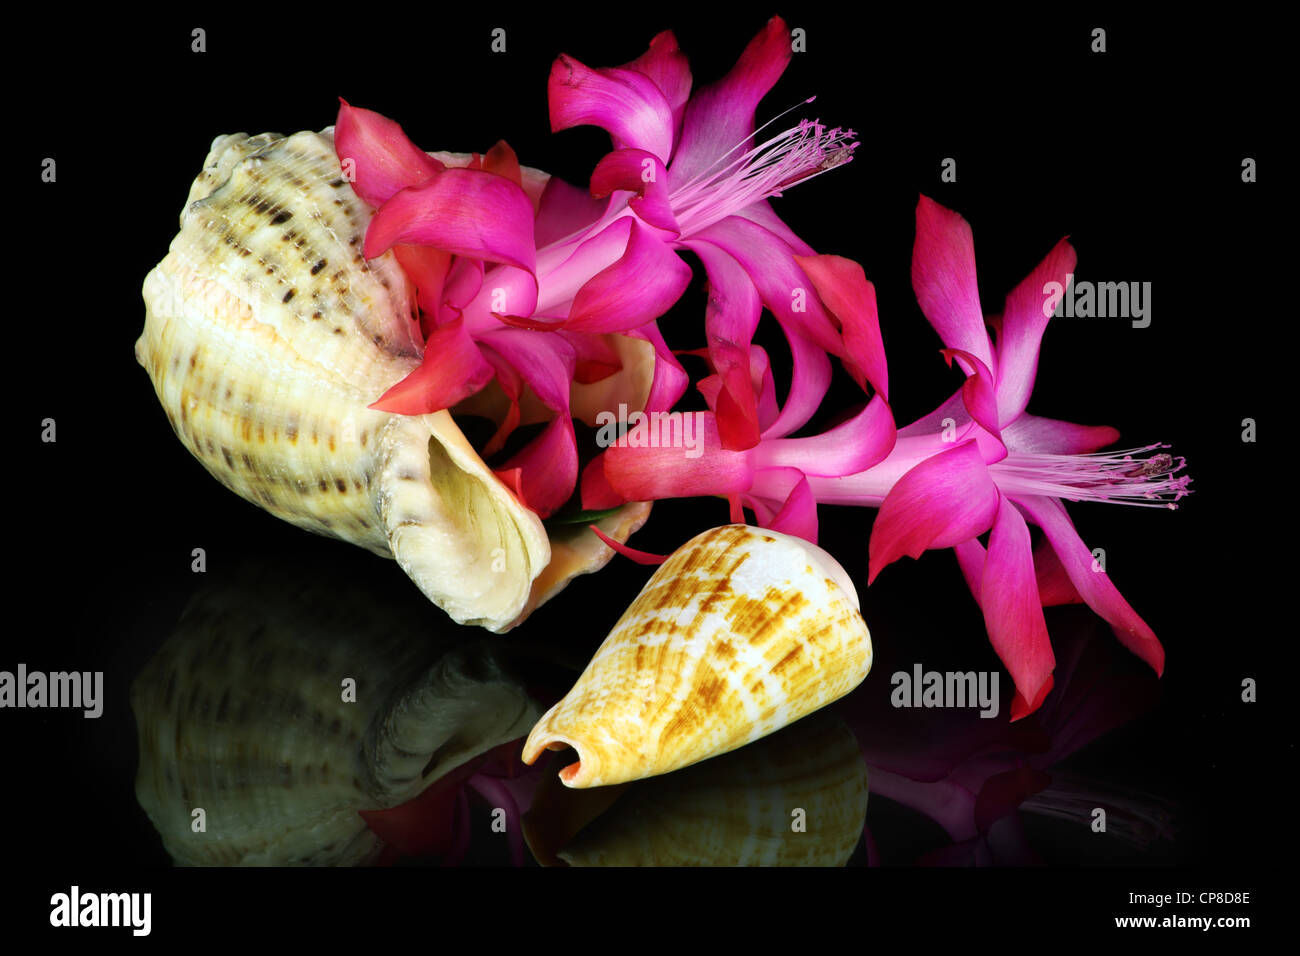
{"x":771,"y":477}
{"x":980,"y":464}
{"x":691,"y":172}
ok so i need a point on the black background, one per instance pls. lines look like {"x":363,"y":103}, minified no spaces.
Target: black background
{"x":1135,"y":154}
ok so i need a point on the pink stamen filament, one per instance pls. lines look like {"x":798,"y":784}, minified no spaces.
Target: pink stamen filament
{"x":1114,"y":476}
{"x":794,"y":155}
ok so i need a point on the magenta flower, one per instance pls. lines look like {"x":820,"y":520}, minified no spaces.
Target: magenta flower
{"x":980,"y":464}
{"x":690,"y":171}
{"x":497,"y":256}
{"x":771,"y":477}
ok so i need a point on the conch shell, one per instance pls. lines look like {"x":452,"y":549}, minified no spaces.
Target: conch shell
{"x":243,"y":713}
{"x":739,"y":633}
{"x":267,"y":334}
{"x":796,"y":798}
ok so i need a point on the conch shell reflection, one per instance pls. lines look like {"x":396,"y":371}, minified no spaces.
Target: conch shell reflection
{"x":244,"y":714}
{"x":796,"y":798}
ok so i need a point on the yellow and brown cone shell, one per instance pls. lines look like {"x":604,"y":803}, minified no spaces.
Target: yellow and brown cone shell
{"x":741,"y":632}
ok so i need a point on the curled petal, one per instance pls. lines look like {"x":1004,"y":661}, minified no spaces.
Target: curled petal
{"x":625,"y":103}
{"x":842,"y":285}
{"x":730,"y":319}
{"x":666,"y":66}
{"x":783,"y":285}
{"x":638,"y":288}
{"x":640,"y":557}
{"x":720,"y":117}
{"x":543,"y":360}
{"x":383,"y":159}
{"x":943,"y":277}
{"x":798,"y":515}
{"x":847,"y":449}
{"x":809,"y":381}
{"x":543,"y":474}
{"x":947,"y":498}
{"x":1094,"y":586}
{"x":427,"y":268}
{"x":452,"y":369}
{"x":1023,"y":323}
{"x":466,"y":212}
{"x":638,"y":171}
{"x":1012,"y":612}
{"x":977,"y":392}
{"x":670,"y":379}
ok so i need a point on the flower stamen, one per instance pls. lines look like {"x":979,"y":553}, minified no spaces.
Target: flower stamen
{"x":1117,"y":477}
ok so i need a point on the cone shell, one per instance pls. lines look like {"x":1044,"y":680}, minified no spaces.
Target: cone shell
{"x":796,"y":798}
{"x":739,"y":633}
{"x":267,"y":334}
{"x":241,"y":712}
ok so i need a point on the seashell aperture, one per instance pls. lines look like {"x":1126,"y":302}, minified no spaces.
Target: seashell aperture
{"x":741,"y":632}
{"x":267,"y":334}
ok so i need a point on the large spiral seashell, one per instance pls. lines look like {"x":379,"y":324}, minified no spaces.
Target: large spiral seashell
{"x":796,"y":798}
{"x":242,"y":713}
{"x":267,"y":334}
{"x":739,"y":633}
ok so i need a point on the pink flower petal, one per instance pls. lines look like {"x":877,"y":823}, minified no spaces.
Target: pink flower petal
{"x":1012,"y":614}
{"x":1054,"y":586}
{"x":545,"y":361}
{"x":452,"y":369}
{"x":843,"y":287}
{"x":1023,"y":323}
{"x":666,"y":66}
{"x":596,"y":491}
{"x":638,"y":472}
{"x":730,"y":319}
{"x":546,"y":470}
{"x":970,"y":558}
{"x":636,"y":170}
{"x":943,"y":277}
{"x":640,"y":557}
{"x":1032,"y":434}
{"x":945,"y":499}
{"x":467,"y":212}
{"x":798,"y":516}
{"x":625,"y":103}
{"x":1094,"y":587}
{"x":427,"y":268}
{"x":809,"y":381}
{"x":670,"y":379}
{"x":849,"y":448}
{"x":638,"y":288}
{"x":977,"y":392}
{"x":564,"y":209}
{"x":384,"y":160}
{"x":783,"y":285}
{"x":721,"y":116}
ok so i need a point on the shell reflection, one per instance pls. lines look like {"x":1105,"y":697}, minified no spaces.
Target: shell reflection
{"x":796,"y":798}
{"x":243,"y":713}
